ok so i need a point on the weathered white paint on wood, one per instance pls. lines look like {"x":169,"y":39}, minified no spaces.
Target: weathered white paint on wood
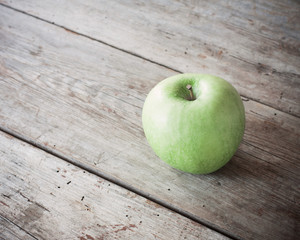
{"x":253,"y":44}
{"x":9,"y":231}
{"x":83,"y":100}
{"x":52,"y":199}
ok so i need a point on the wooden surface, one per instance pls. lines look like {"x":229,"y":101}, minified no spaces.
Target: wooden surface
{"x":9,"y":230}
{"x":74,"y":77}
{"x":260,"y":39}
{"x":52,"y":199}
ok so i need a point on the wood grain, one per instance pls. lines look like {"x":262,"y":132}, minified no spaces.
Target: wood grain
{"x":52,"y":199}
{"x":9,"y":231}
{"x":252,"y":44}
{"x":82,"y":100}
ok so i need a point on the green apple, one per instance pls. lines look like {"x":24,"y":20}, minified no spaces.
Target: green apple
{"x":194,"y":122}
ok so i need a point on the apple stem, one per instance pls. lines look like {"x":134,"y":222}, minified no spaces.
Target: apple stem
{"x":189,"y":87}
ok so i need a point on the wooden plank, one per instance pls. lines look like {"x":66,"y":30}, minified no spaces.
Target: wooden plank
{"x":52,"y":199}
{"x":83,"y":100}
{"x":254,"y":45}
{"x":9,"y":231}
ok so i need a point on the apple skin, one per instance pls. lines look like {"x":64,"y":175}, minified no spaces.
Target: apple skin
{"x":198,"y":136}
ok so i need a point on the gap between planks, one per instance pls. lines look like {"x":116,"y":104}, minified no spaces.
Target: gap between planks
{"x":245,"y":98}
{"x":118,"y":183}
{"x":15,"y":226}
{"x":91,"y":38}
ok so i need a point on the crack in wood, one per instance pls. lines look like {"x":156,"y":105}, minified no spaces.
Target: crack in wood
{"x":36,"y":203}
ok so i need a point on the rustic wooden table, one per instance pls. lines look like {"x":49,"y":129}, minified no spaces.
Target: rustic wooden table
{"x":75,"y":163}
